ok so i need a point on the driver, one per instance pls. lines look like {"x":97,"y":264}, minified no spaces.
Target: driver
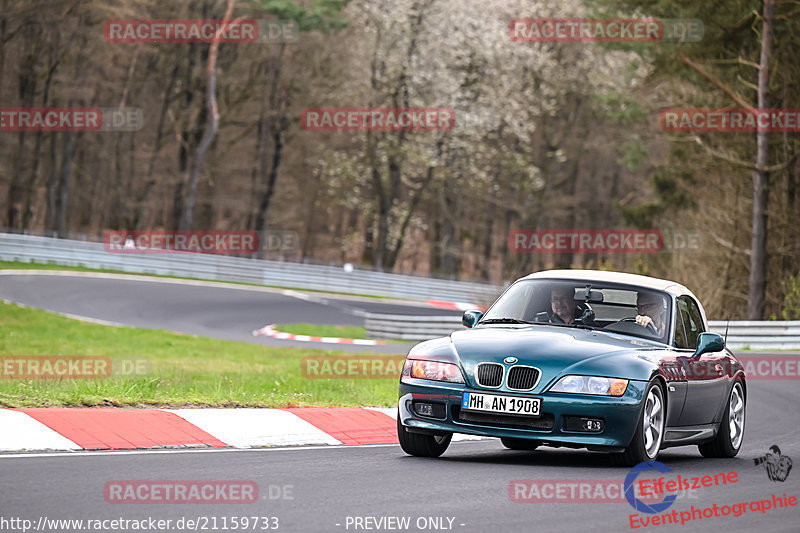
{"x":652,"y":309}
{"x":563,"y":305}
{"x":564,"y":308}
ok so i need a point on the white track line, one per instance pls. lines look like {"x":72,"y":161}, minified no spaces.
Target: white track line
{"x":22,"y":432}
{"x":270,"y":331}
{"x":245,"y":428}
{"x":112,"y":453}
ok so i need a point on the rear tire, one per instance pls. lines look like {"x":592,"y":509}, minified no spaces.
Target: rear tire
{"x":649,"y":433}
{"x":730,"y":432}
{"x":519,"y":444}
{"x":421,"y":445}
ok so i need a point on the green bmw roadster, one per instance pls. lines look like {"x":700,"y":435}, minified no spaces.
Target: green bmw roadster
{"x":610,"y":362}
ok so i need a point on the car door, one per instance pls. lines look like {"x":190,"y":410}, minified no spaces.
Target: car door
{"x":706,"y":375}
{"x":673,"y":369}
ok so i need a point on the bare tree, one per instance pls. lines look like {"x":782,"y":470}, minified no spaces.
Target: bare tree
{"x":187,"y":213}
{"x":758,"y":249}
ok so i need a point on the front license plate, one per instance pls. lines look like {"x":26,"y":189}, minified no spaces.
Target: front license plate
{"x":473,"y":401}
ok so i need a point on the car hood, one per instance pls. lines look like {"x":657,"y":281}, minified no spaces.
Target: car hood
{"x":556,"y":351}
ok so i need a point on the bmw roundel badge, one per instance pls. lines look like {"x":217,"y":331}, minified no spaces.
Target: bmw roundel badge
{"x":510,"y":360}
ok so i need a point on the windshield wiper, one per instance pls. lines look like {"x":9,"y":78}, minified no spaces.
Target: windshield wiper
{"x":505,"y":321}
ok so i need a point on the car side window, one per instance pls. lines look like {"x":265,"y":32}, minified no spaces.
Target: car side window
{"x":692,"y":321}
{"x":680,"y":333}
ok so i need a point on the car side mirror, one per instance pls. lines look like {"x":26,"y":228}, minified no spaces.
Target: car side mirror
{"x":709,"y":342}
{"x":470,"y":318}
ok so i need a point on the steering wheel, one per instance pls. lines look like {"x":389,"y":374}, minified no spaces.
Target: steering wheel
{"x":587,"y":313}
{"x":651,"y":327}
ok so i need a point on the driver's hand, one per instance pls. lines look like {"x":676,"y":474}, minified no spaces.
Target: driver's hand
{"x":644,"y":320}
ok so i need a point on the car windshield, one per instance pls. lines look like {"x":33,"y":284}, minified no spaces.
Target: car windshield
{"x":612,"y":307}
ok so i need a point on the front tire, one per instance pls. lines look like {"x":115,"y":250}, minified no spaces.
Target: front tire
{"x":729,"y":436}
{"x":421,"y":445}
{"x":519,"y":444}
{"x":649,"y":433}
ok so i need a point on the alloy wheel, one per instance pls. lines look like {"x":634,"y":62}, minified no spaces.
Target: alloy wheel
{"x":736,"y":416}
{"x":653,"y":426}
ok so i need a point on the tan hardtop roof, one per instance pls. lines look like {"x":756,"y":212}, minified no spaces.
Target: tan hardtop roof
{"x":613,"y":277}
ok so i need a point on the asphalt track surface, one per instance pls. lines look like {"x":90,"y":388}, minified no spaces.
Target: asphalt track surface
{"x":469,"y":483}
{"x":221,"y":311}
{"x":352,"y":488}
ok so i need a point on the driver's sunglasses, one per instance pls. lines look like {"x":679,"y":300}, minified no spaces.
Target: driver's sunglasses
{"x":646,"y":306}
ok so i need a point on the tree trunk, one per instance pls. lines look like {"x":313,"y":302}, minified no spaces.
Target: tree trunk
{"x":187,"y":216}
{"x":3,"y":37}
{"x":758,"y":255}
{"x":62,"y":200}
{"x":370,"y":245}
{"x":27,"y":93}
{"x":189,"y":137}
{"x":150,"y":181}
{"x":15,"y":184}
{"x":273,"y":126}
{"x":34,"y":180}
{"x":263,"y":207}
{"x":412,"y":207}
{"x":52,"y":184}
{"x":308,"y":238}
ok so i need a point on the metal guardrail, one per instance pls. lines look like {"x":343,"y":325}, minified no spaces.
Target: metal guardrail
{"x":411,"y":328}
{"x":29,"y":248}
{"x":766,"y":335}
{"x":760,"y":335}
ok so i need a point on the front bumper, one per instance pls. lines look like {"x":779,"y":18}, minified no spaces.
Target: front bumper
{"x":620,"y":415}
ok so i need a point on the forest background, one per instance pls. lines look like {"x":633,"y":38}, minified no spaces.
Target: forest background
{"x":547,"y":136}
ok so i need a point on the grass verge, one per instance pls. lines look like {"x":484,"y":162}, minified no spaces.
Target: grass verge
{"x":185,"y":370}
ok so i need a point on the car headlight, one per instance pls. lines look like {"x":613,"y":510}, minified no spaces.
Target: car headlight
{"x":591,"y":385}
{"x":434,"y":370}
